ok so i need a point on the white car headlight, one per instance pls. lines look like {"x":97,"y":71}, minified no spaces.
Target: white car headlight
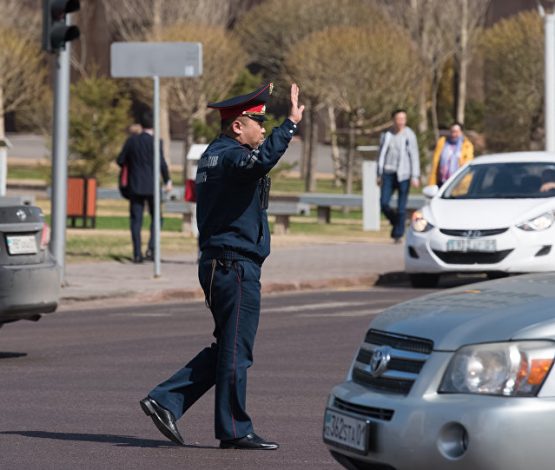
{"x":516,"y":369}
{"x":419,"y":223}
{"x":542,"y":222}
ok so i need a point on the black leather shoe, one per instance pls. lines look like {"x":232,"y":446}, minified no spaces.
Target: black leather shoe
{"x":149,"y":255}
{"x":250,"y":442}
{"x":137,"y":259}
{"x":163,"y":419}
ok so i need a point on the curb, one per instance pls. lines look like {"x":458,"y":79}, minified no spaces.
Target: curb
{"x":172,"y":295}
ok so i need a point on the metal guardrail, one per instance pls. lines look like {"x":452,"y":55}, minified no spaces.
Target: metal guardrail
{"x":316,"y":199}
{"x":415,"y":201}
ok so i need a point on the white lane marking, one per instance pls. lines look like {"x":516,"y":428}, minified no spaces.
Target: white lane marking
{"x":150,"y":314}
{"x":359,"y":313}
{"x":298,"y":308}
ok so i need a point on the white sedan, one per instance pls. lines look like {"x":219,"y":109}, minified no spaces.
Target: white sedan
{"x":494,"y":216}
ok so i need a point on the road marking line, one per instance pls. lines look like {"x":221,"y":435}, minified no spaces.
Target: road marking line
{"x":361,"y":313}
{"x":296,"y":308}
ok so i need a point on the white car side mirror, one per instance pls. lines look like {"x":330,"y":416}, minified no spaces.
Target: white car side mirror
{"x":430,"y":191}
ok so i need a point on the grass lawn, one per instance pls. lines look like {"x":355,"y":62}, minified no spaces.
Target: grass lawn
{"x":111,"y":238}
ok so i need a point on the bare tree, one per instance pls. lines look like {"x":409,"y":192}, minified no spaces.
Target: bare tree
{"x":430,"y":24}
{"x":223,"y":60}
{"x":514,"y":65}
{"x":278,"y":26}
{"x":472,"y":14}
{"x":22,"y":73}
{"x":141,"y":20}
{"x":353,"y":69}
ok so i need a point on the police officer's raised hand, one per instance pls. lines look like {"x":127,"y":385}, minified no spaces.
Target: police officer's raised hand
{"x":296,"y":112}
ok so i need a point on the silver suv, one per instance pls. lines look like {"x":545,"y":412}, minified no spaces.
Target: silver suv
{"x":461,"y":379}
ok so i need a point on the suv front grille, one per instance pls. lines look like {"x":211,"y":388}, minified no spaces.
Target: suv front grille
{"x":473,"y":233}
{"x":407,"y":355}
{"x":376,"y":413}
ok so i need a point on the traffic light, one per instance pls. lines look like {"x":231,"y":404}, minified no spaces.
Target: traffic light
{"x":55,"y":31}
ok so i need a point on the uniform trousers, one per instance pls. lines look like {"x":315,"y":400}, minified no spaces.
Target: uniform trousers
{"x":232,"y":290}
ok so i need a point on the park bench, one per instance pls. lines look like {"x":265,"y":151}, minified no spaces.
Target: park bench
{"x":281,"y":209}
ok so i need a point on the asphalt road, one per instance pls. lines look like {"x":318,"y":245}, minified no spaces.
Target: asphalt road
{"x":70,"y":384}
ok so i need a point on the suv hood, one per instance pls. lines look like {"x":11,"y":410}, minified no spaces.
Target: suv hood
{"x":519,"y":307}
{"x":485,"y":213}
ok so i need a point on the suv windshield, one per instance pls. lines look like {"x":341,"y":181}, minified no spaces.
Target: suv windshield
{"x":503,"y":180}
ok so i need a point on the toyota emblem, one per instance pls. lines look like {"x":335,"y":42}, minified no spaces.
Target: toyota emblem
{"x":21,"y":215}
{"x":379,"y":360}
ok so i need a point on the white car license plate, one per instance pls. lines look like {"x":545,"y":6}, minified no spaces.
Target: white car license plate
{"x":472,"y":244}
{"x":21,"y":244}
{"x":346,"y":431}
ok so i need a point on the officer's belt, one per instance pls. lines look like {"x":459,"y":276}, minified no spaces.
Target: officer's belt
{"x":227,"y":255}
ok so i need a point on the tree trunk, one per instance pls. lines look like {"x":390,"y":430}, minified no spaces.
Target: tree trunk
{"x":351,"y":155}
{"x":435,"y":87}
{"x":462,"y":64}
{"x":335,"y":155}
{"x":422,"y":95}
{"x":3,"y":150}
{"x":310,"y":182}
{"x":165,"y":121}
{"x":187,"y":143}
{"x":2,"y":122}
{"x":307,"y":144}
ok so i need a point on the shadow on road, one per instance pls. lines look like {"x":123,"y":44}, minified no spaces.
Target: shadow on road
{"x":11,"y":355}
{"x":118,"y":441}
{"x":401,"y":279}
{"x":129,"y":259}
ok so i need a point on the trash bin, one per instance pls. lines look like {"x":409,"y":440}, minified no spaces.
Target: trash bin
{"x":81,"y":201}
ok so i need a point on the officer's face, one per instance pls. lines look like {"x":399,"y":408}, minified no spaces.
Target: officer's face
{"x":250,"y":132}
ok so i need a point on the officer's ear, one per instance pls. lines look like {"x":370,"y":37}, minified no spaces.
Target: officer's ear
{"x":237,"y":127}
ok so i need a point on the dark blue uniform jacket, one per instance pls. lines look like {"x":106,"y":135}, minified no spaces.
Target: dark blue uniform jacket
{"x":230,"y":186}
{"x":138,"y":155}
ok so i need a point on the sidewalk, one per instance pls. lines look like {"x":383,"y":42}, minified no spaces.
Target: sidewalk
{"x":315,"y":266}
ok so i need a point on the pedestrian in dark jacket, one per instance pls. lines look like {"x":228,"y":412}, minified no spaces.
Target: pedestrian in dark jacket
{"x":138,"y":156}
{"x":232,"y":198}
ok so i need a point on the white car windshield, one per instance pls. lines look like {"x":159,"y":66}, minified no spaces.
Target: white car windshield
{"x":521,"y":180}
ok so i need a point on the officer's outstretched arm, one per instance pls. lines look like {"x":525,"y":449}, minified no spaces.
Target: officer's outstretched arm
{"x":259,"y":162}
{"x":255,"y":164}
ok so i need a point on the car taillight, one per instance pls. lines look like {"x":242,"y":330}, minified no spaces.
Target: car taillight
{"x":45,"y":236}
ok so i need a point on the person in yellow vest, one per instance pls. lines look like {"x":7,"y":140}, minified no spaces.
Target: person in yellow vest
{"x":450,"y":154}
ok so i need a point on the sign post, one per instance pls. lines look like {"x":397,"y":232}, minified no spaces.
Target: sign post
{"x":155,"y":60}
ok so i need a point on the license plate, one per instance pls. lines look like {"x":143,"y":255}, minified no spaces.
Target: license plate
{"x":346,"y":431}
{"x":471,"y":244}
{"x":21,"y":244}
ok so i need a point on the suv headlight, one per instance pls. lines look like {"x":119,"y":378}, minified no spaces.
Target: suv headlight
{"x":516,"y":369}
{"x":419,"y":223}
{"x":542,"y":222}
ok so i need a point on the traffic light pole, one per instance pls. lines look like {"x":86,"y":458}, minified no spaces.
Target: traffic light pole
{"x":59,"y":156}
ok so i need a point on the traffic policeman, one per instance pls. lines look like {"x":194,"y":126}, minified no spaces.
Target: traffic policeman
{"x":234,"y":239}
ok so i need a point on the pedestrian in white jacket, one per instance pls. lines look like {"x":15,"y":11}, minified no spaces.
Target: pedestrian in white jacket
{"x":398,"y":169}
